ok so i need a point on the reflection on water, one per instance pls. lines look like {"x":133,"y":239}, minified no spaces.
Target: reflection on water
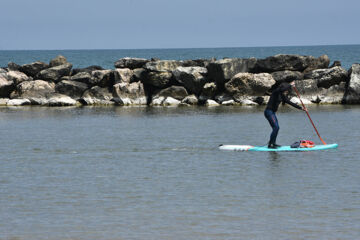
{"x":156,"y":173}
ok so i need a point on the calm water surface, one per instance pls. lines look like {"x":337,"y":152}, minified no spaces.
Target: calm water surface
{"x":156,"y":173}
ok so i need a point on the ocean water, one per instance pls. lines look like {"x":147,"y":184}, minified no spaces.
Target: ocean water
{"x":347,"y":54}
{"x":156,"y":173}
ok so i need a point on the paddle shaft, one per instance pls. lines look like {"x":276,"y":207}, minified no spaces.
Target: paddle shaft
{"x":297,"y":92}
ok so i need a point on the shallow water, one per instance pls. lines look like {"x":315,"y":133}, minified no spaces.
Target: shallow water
{"x":156,"y":173}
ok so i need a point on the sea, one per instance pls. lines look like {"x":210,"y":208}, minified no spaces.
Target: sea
{"x":156,"y":173}
{"x":347,"y":54}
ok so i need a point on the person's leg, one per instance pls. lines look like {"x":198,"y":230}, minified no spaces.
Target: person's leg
{"x":271,"y":117}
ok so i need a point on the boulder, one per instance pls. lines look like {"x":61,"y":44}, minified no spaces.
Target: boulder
{"x":176,"y":92}
{"x":97,"y":96}
{"x":83,"y":77}
{"x":169,"y":101}
{"x":131,"y":63}
{"x":335,"y":64}
{"x":250,"y":84}
{"x":158,"y":79}
{"x":228,"y":103}
{"x":307,"y":87}
{"x":208,"y":91}
{"x":17,"y":77}
{"x":32,"y":69}
{"x":33,"y":90}
{"x":129,"y":93}
{"x":211,"y":103}
{"x":103,"y":78}
{"x":287,"y":76}
{"x":57,"y":99}
{"x":222,"y":97}
{"x":328,"y":77}
{"x":223,"y":70}
{"x":4,"y":101}
{"x":193,"y":78}
{"x":290,"y":62}
{"x":311,"y":93}
{"x":139,"y":74}
{"x":6,"y":87}
{"x":352,"y":95}
{"x":157,"y":101}
{"x":59,"y":60}
{"x":3,"y":72}
{"x":196,"y":63}
{"x":123,"y":75}
{"x":18,"y":102}
{"x":74,"y":89}
{"x":87,"y":69}
{"x":317,"y":63}
{"x":55,"y":73}
{"x":191,"y":100}
{"x":13,"y":66}
{"x":163,"y":65}
{"x":332,"y":95}
{"x":245,"y":100}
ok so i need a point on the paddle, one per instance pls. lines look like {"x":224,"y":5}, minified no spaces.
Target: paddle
{"x":298,"y":94}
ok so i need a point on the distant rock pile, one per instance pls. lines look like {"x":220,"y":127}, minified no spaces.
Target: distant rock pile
{"x":209,"y":82}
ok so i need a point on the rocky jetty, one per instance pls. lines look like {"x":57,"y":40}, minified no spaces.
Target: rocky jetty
{"x":208,"y":82}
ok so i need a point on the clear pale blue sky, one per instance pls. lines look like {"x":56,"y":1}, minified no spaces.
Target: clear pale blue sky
{"x":124,"y":24}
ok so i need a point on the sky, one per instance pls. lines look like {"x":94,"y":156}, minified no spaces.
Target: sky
{"x":139,"y":24}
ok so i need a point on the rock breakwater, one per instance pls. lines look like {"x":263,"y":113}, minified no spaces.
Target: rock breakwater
{"x":209,"y":82}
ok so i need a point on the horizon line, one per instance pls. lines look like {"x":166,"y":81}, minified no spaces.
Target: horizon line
{"x":94,"y":49}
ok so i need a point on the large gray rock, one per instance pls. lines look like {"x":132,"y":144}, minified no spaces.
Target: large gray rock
{"x":32,"y":69}
{"x":139,"y":74}
{"x":3,"y":72}
{"x":223,"y":70}
{"x":87,"y":69}
{"x":328,"y":77}
{"x":60,"y":100}
{"x":6,"y":87}
{"x":193,"y":78}
{"x":123,"y":75}
{"x":18,"y":102}
{"x":83,"y":77}
{"x":13,"y":66}
{"x":158,"y":79}
{"x":59,"y":60}
{"x":250,"y":84}
{"x":311,"y":93}
{"x":97,"y":96}
{"x":126,"y":93}
{"x":286,"y":76}
{"x":191,"y":100}
{"x":176,"y":92}
{"x":353,"y":90}
{"x":55,"y":73}
{"x":17,"y":77}
{"x":163,"y":65}
{"x":208,"y":91}
{"x":73,"y":89}
{"x":103,"y":78}
{"x":36,"y":88}
{"x":290,"y":62}
{"x":197,"y":63}
{"x":131,"y":63}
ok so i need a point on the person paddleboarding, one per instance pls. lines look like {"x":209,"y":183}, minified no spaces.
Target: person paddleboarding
{"x":280,"y":94}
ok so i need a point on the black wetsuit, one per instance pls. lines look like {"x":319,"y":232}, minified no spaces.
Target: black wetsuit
{"x":276,"y":98}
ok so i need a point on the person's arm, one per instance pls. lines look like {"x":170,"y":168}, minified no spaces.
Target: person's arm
{"x":285,"y":99}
